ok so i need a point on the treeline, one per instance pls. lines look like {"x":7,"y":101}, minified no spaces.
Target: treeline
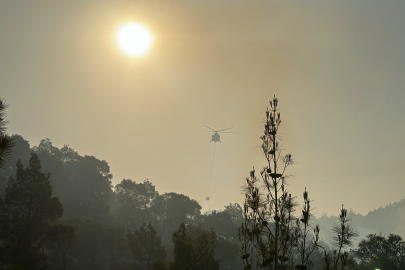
{"x":126,"y":226}
{"x":388,"y":219}
{"x":60,"y":210}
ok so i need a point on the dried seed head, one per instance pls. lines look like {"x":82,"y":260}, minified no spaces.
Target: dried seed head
{"x":275,"y":101}
{"x":252,"y":173}
{"x":305,"y":194}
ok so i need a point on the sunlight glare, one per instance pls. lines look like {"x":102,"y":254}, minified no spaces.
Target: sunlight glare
{"x":134,"y":39}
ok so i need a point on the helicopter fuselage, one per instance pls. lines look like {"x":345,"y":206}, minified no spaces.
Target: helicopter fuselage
{"x":215,"y":137}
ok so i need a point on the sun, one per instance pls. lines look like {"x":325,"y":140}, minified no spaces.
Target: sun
{"x":134,"y":39}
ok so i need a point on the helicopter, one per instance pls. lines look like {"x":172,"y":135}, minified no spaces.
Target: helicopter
{"x":216,"y":137}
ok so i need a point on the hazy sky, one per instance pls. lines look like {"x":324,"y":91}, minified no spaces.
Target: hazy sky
{"x":337,"y":67}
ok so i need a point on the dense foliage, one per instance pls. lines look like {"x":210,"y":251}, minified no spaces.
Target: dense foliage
{"x":6,"y":143}
{"x":29,"y":215}
{"x":146,"y":246}
{"x":380,"y":252}
{"x":194,"y":249}
{"x":102,"y":224}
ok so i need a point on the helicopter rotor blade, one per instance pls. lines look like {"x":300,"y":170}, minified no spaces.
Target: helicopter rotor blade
{"x":210,"y":128}
{"x":203,"y":130}
{"x":227,"y":132}
{"x":224,"y":129}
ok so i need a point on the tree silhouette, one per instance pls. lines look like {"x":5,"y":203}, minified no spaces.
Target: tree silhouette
{"x":6,"y":143}
{"x":93,"y":249}
{"x":267,"y":231}
{"x":83,"y":183}
{"x":221,"y":222}
{"x":228,"y":254}
{"x":146,"y":246}
{"x":343,"y":235}
{"x":236,"y":212}
{"x":64,"y":239}
{"x":126,"y":201}
{"x":194,"y":249}
{"x":28,"y":218}
{"x":270,"y":236}
{"x":134,"y":199}
{"x":307,"y":235}
{"x":22,"y":151}
{"x":172,"y":209}
{"x":380,"y":252}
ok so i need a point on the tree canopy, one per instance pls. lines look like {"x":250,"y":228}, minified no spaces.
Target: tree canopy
{"x":28,"y":215}
{"x":6,"y":143}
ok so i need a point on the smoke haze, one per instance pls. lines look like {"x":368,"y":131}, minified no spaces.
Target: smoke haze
{"x":336,"y":67}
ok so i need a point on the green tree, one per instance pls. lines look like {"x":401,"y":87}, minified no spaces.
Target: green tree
{"x":146,"y":246}
{"x":126,"y":201}
{"x":6,"y":143}
{"x":91,"y":251}
{"x":236,"y":212}
{"x":146,"y":196}
{"x":379,"y":252}
{"x":64,"y":239}
{"x":115,"y":242}
{"x":228,"y":254}
{"x":28,"y":218}
{"x":172,"y":209}
{"x":225,"y":223}
{"x":194,"y":249}
{"x":221,"y":222}
{"x":83,"y":183}
{"x":134,"y":200}
{"x":22,"y":151}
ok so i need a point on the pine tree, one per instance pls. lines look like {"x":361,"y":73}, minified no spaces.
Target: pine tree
{"x":28,"y":218}
{"x":306,"y":235}
{"x":343,"y":237}
{"x":194,"y":253}
{"x":270,"y":236}
{"x":267,"y":230}
{"x":6,"y":143}
{"x":146,"y":246}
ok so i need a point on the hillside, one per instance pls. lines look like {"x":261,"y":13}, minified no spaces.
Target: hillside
{"x":386,"y":220}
